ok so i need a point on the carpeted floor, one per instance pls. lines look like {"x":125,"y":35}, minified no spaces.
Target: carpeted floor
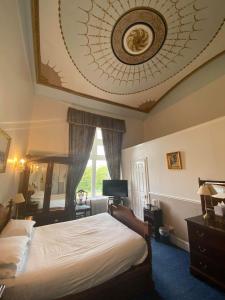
{"x":173,"y":280}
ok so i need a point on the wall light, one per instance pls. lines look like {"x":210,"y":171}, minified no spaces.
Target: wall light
{"x":17,"y":164}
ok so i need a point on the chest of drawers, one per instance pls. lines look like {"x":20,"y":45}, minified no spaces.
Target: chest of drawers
{"x":207,"y":249}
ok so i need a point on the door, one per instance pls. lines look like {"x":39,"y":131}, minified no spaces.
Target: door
{"x":139,"y":186}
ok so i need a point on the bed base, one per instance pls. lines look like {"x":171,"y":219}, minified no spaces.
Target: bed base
{"x":131,"y":283}
{"x":126,"y":286}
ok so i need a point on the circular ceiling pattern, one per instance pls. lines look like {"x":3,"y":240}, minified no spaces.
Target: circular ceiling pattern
{"x":138,"y":35}
{"x":137,"y":39}
{"x":128,"y":46}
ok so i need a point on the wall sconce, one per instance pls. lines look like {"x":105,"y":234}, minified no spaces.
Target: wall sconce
{"x":17,"y":164}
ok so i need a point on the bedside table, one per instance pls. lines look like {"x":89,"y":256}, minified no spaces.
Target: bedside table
{"x":153,"y":215}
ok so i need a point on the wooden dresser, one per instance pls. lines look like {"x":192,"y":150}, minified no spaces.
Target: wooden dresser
{"x":207,"y":249}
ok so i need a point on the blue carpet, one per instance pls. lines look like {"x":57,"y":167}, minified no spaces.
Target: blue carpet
{"x":173,"y":280}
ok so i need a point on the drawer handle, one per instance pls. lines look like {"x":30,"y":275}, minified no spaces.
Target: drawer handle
{"x":203,"y":265}
{"x":200,"y":233}
{"x":202,"y":250}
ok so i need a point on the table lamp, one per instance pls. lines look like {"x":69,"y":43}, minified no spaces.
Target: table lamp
{"x":19,"y":198}
{"x":204,"y":191}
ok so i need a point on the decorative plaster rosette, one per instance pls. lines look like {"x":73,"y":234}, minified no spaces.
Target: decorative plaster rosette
{"x":128,"y":46}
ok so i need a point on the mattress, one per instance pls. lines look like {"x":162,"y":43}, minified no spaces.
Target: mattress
{"x":70,"y":257}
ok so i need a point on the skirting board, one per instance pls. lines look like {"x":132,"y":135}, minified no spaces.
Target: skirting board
{"x":179,"y":242}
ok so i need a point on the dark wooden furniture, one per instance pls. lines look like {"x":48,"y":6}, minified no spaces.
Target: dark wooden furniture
{"x":82,"y":210}
{"x":207,"y":248}
{"x":46,"y":214}
{"x":127,"y":285}
{"x":153,"y":215}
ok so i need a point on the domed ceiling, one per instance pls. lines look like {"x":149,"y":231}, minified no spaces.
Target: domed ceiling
{"x":126,"y":52}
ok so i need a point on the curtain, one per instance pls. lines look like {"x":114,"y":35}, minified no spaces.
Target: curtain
{"x":79,"y":117}
{"x":82,"y":127}
{"x":112,"y":141}
{"x":80,"y":144}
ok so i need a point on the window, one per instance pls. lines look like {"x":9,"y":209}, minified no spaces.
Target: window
{"x":96,"y":170}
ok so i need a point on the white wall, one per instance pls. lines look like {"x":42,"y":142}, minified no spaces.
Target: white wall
{"x":15,"y":92}
{"x":202,"y":148}
{"x":199,"y":98}
{"x":49,"y":128}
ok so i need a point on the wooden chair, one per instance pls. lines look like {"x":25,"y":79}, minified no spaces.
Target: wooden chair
{"x":82,"y":209}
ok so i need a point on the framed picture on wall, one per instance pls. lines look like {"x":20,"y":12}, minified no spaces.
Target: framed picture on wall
{"x":174,"y":160}
{"x":4,"y":149}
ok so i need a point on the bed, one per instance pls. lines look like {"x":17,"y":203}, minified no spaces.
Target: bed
{"x":93,"y":258}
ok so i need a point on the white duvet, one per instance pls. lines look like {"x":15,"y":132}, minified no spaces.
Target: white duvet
{"x":73,"y":256}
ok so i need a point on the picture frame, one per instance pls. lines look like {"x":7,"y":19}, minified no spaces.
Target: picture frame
{"x":5,"y":141}
{"x":174,"y":160}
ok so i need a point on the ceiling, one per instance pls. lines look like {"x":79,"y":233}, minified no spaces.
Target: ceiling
{"x":126,"y":52}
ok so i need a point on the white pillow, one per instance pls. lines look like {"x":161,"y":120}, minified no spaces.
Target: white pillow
{"x":17,"y":228}
{"x":13,"y":256}
{"x":12,"y":249}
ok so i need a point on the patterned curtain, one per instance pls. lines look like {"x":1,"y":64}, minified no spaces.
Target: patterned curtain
{"x":112,"y":141}
{"x":81,"y":139}
{"x":82,"y":127}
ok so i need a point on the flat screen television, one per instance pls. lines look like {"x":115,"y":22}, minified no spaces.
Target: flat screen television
{"x":116,"y":188}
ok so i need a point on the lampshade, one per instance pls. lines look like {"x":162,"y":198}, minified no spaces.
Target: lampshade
{"x":204,"y":191}
{"x":19,"y":198}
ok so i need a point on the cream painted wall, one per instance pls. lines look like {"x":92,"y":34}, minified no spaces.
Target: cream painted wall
{"x":15,"y":92}
{"x":202,"y":148}
{"x":199,"y":98}
{"x":49,"y":128}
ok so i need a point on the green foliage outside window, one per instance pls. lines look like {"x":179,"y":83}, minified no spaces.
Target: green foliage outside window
{"x":101,"y":174}
{"x":85,"y":183}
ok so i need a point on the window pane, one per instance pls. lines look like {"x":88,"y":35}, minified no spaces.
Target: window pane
{"x":99,"y":133}
{"x":100,"y":150}
{"x":101,"y":174}
{"x":85,"y":183}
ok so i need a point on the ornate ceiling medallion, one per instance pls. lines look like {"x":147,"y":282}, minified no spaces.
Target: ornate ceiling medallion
{"x":125,"y":47}
{"x":138,"y":35}
{"x":137,"y":39}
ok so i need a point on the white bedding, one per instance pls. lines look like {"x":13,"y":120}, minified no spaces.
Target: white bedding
{"x":73,"y":256}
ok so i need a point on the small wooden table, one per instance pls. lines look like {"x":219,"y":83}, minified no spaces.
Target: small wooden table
{"x":82,"y":210}
{"x":153,"y":215}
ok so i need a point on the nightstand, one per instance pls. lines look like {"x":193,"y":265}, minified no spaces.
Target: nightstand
{"x":153,"y":215}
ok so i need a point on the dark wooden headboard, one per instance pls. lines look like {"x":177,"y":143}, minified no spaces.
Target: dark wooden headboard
{"x":5,"y":214}
{"x":209,"y":201}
